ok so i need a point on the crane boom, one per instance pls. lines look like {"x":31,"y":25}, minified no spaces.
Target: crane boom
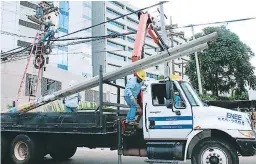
{"x":171,"y":54}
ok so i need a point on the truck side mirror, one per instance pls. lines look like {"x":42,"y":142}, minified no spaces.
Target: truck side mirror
{"x":169,"y":94}
{"x":169,"y":104}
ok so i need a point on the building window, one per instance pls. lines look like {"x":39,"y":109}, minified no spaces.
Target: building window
{"x":87,"y":4}
{"x":114,"y":12}
{"x":28,"y":4}
{"x":29,"y":24}
{"x":112,"y":44}
{"x":115,"y":56}
{"x":93,"y":96}
{"x":63,"y":48}
{"x":131,"y":29}
{"x":51,"y":86}
{"x":48,"y":85}
{"x":133,"y":21}
{"x":111,"y":67}
{"x":110,"y":32}
{"x":149,"y":47}
{"x":119,"y":25}
{"x":117,"y":4}
{"x":130,"y":40}
{"x":120,"y":82}
{"x":64,"y":16}
{"x":87,"y":17}
{"x":23,"y":43}
{"x":129,"y":10}
{"x":153,"y":76}
{"x":130,"y":49}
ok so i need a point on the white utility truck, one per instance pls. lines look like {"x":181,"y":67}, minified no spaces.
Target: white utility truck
{"x":168,"y":131}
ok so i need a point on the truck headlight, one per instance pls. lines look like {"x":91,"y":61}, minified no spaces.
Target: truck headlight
{"x":247,"y":133}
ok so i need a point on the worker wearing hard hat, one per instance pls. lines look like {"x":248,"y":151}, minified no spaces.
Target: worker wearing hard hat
{"x":48,"y":23}
{"x":71,"y":102}
{"x":132,"y":90}
{"x":50,"y":32}
{"x":39,"y":10}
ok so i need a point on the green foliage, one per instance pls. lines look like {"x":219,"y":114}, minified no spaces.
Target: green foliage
{"x":225,"y":65}
{"x":242,"y":96}
{"x":208,"y":97}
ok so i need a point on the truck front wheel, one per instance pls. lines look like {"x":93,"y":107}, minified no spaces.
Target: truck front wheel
{"x":214,"y":151}
{"x":63,"y":153}
{"x":26,"y":150}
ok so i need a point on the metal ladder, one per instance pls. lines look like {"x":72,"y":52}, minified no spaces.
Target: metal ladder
{"x":27,"y":65}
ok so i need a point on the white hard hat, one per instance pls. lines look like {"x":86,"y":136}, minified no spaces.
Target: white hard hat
{"x":72,"y":83}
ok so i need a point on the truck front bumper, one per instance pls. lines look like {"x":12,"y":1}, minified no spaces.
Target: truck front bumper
{"x":247,"y":147}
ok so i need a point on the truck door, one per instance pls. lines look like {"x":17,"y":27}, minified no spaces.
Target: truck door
{"x":162,"y":123}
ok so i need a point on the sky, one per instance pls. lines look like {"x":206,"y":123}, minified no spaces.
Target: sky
{"x":185,"y":12}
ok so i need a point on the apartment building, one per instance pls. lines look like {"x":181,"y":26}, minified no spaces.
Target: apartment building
{"x":113,"y":53}
{"x":76,"y":62}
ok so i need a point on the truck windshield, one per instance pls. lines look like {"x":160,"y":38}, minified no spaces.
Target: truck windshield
{"x":190,"y":94}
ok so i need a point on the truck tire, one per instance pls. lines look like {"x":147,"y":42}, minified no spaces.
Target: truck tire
{"x":26,"y":150}
{"x":5,"y":147}
{"x":213,"y":151}
{"x":63,"y":153}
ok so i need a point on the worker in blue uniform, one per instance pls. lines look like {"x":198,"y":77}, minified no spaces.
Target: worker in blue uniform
{"x":177,"y":100}
{"x":48,"y":23}
{"x":39,"y":10}
{"x":132,"y":90}
{"x":50,"y":32}
{"x":71,"y":102}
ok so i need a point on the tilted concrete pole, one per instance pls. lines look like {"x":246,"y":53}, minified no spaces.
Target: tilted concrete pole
{"x":171,"y":54}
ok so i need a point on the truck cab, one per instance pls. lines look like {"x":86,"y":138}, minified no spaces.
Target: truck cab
{"x":174,"y":115}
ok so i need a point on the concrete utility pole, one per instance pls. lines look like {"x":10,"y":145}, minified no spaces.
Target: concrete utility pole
{"x":165,"y":39}
{"x":172,"y":66}
{"x":197,"y":67}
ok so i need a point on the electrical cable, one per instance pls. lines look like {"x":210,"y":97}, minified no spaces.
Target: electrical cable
{"x":2,"y":53}
{"x":218,"y":22}
{"x":112,"y":19}
{"x":13,"y":34}
{"x":106,"y":22}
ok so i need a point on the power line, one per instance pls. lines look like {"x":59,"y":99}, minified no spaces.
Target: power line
{"x":219,"y":22}
{"x":26,"y":55}
{"x":13,"y":34}
{"x":2,"y":53}
{"x":106,"y":22}
{"x":111,"y":19}
{"x":94,"y":38}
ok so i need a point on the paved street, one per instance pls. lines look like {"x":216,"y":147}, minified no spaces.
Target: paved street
{"x":98,"y":156}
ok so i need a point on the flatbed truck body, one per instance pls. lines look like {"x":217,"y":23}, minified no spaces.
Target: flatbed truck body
{"x":166,"y":131}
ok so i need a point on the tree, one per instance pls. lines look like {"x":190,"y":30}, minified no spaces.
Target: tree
{"x":225,"y":65}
